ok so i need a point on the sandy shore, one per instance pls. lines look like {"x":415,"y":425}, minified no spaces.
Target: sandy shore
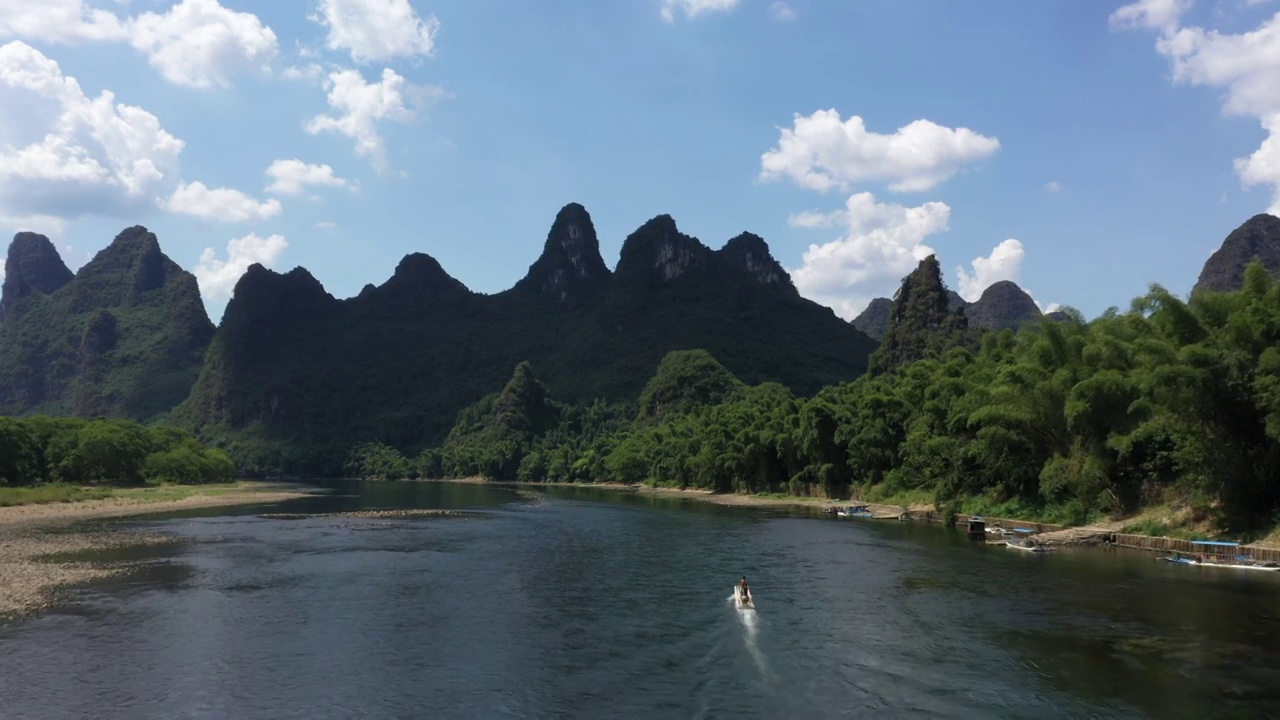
{"x":33,"y":536}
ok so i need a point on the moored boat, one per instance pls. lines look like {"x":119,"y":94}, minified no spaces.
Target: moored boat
{"x":1222,"y":554}
{"x":1022,"y":540}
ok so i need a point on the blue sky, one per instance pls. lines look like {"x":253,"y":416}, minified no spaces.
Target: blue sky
{"x":1081,"y":149}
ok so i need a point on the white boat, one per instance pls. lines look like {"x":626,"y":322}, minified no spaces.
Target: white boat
{"x":743,"y":603}
{"x":1026,"y":544}
{"x":1220,"y":554}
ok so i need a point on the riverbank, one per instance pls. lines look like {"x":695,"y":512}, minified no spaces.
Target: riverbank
{"x":1107,"y":533}
{"x":775,"y":500}
{"x":34,"y":536}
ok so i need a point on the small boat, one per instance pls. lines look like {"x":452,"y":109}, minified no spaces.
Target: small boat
{"x":1218,"y":553}
{"x":854,"y":511}
{"x":743,"y":603}
{"x":1025,"y":542}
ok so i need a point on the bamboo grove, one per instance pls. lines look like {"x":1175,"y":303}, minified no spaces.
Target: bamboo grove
{"x":1169,"y":402}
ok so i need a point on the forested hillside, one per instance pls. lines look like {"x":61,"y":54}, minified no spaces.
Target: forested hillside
{"x":1168,"y":402}
{"x":123,"y":337}
{"x":294,"y":377}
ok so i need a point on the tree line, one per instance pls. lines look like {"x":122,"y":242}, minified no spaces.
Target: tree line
{"x":40,"y":449}
{"x":1171,"y":401}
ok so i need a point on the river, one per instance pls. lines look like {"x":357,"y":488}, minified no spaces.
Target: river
{"x":568,"y":602}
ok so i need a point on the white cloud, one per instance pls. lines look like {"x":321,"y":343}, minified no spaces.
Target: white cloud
{"x":1053,"y":186}
{"x":1004,"y":263}
{"x":1153,"y":14}
{"x":883,"y":243}
{"x":58,"y":21}
{"x":310,"y":72}
{"x":293,"y":176}
{"x":198,"y":43}
{"x":218,"y":277}
{"x":1245,"y":65}
{"x":48,"y":225}
{"x":822,"y":152}
{"x":361,"y":105}
{"x":1263,"y":166}
{"x":222,"y":204}
{"x":782,"y":11}
{"x":817,"y":218}
{"x":326,"y":225}
{"x":377,"y":30}
{"x":694,"y":8}
{"x":63,"y":154}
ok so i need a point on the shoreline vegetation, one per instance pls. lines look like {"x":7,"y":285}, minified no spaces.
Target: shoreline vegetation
{"x":39,"y":542}
{"x":1162,"y":420}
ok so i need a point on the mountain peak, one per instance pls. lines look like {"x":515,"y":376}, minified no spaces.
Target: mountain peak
{"x":262,"y":292}
{"x":658,"y":249}
{"x":750,"y":253}
{"x":1257,"y":239}
{"x":874,"y":319}
{"x":125,"y":270}
{"x":1002,"y":306}
{"x":570,"y":259}
{"x":33,"y":265}
{"x":125,"y":336}
{"x":921,"y":322}
{"x":420,"y":276}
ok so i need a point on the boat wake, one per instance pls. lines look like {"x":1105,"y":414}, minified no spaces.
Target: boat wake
{"x":750,"y":634}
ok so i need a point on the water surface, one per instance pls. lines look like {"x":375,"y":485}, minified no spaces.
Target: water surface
{"x":568,"y":602}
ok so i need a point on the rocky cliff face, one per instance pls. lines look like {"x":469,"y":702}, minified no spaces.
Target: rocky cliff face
{"x":125,"y":336}
{"x":570,"y":268}
{"x":874,"y":319}
{"x":1002,"y":306}
{"x":658,"y":252}
{"x":1257,"y":239}
{"x":749,"y":254}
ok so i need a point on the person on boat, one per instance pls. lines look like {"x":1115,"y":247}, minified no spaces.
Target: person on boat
{"x":743,"y":589}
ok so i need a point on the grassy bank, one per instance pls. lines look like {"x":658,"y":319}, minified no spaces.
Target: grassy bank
{"x":60,"y":493}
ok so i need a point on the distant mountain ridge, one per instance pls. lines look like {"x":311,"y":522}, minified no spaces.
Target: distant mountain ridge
{"x":293,"y":375}
{"x":123,"y":337}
